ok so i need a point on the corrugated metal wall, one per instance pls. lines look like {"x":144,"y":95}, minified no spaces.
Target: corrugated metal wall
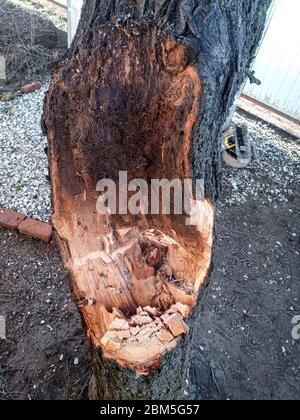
{"x":278,"y":62}
{"x":74,"y":11}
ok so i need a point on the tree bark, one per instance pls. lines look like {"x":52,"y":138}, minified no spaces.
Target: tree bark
{"x":146,"y":88}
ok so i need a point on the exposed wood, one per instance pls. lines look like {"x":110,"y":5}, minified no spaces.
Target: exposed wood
{"x":140,"y":261}
{"x":144,"y":94}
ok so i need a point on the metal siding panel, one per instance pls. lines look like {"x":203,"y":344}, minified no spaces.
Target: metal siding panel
{"x":74,"y":12}
{"x":278,"y":62}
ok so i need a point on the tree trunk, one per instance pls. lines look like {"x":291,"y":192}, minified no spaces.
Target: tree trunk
{"x":146,"y":88}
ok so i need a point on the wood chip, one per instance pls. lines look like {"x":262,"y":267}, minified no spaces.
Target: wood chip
{"x":117,"y":313}
{"x":141,"y":320}
{"x":134,"y":330}
{"x":118,"y":335}
{"x":104,"y":340}
{"x":165,"y":336}
{"x":175,"y":324}
{"x":112,"y":346}
{"x":184,"y":310}
{"x":119,"y":325}
{"x":151,"y":311}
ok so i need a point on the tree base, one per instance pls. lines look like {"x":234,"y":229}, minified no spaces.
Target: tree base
{"x":135,"y":97}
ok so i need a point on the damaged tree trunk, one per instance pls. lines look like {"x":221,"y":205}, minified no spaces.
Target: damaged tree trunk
{"x":146,"y":88}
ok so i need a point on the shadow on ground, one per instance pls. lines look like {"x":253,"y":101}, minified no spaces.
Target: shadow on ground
{"x":29,"y":41}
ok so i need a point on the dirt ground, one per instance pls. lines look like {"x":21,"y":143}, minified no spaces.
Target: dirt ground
{"x":244,"y":343}
{"x":32,"y":37}
{"x":44,"y":333}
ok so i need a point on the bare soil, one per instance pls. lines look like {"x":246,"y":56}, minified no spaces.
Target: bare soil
{"x":243,"y":346}
{"x":44,"y":333}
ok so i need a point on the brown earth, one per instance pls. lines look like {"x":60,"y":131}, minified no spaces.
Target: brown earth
{"x":42,"y":324}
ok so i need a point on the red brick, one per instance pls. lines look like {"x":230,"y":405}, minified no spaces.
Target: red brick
{"x":10,"y":219}
{"x":32,"y":87}
{"x":36,"y":229}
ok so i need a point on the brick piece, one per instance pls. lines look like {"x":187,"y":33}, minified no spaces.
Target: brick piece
{"x":30,"y":88}
{"x":10,"y":219}
{"x":36,"y":229}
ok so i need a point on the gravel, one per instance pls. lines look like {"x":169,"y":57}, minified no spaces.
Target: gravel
{"x":273,"y":175}
{"x":271,"y":179}
{"x":23,"y":162}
